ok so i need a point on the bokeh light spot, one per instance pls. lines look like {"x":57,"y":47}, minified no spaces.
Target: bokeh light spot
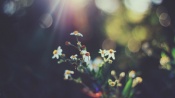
{"x":157,"y":1}
{"x":133,"y":45}
{"x":139,"y":33}
{"x":26,"y":3}
{"x":139,"y":6}
{"x":108,"y":6}
{"x":115,"y":31}
{"x":160,"y":10}
{"x":164,"y":19}
{"x":146,"y":48}
{"x":108,"y":44}
{"x":76,"y":4}
{"x":134,"y":17}
{"x":9,"y":7}
{"x":46,"y":20}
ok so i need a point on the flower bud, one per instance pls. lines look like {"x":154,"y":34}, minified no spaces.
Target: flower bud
{"x":113,"y":73}
{"x":63,"y":55}
{"x":110,"y":61}
{"x":67,"y":43}
{"x":136,"y":81}
{"x":83,"y":47}
{"x":87,"y":54}
{"x":122,"y":74}
{"x":139,"y":79}
{"x":119,"y":84}
{"x":79,"y":43}
{"x":132,"y":74}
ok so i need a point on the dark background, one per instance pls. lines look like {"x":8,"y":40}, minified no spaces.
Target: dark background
{"x":28,"y":71}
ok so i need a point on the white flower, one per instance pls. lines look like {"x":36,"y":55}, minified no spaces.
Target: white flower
{"x":95,"y":64}
{"x":102,"y":52}
{"x":83,"y":52}
{"x":86,"y":56}
{"x":74,"y":57}
{"x":76,"y":33}
{"x":57,"y":53}
{"x":110,"y":54}
{"x":67,"y":74}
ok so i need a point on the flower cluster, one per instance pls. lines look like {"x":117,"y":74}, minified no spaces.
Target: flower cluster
{"x":165,"y":62}
{"x":109,"y":53}
{"x":97,"y":68}
{"x":117,"y":80}
{"x":132,"y":81}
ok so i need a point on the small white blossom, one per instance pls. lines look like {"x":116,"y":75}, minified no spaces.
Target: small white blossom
{"x":57,"y":53}
{"x":87,"y":58}
{"x":102,"y":52}
{"x":67,"y":74}
{"x":95,"y":64}
{"x":76,"y":33}
{"x":83,"y":52}
{"x":74,"y":57}
{"x":110,"y":54}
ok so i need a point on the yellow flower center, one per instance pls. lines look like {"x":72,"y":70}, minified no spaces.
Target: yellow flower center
{"x":102,"y":52}
{"x":74,"y":56}
{"x":110,"y":51}
{"x":68,"y":72}
{"x":55,"y":52}
{"x":75,"y":32}
{"x":112,"y":83}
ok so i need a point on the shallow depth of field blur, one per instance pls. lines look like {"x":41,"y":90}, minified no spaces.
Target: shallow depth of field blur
{"x":141,"y":31}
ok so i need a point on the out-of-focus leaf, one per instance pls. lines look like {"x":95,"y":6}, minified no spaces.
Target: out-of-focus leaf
{"x":131,"y":93}
{"x":127,"y":89}
{"x":173,"y":53}
{"x":99,"y":73}
{"x":93,"y":72}
{"x":163,"y":54}
{"x":78,"y":80}
{"x":60,"y":61}
{"x":153,"y":19}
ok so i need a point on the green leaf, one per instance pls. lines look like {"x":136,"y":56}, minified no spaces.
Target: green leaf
{"x":127,"y":89}
{"x":163,"y":54}
{"x":99,"y":73}
{"x":173,"y":53}
{"x":60,"y":61}
{"x":131,"y":93}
